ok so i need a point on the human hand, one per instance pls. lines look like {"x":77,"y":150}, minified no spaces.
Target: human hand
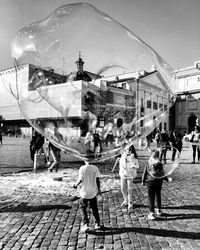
{"x":74,"y":186}
{"x":99,"y":196}
{"x":169,"y":179}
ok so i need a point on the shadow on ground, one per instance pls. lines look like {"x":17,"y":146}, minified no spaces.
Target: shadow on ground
{"x":147,"y":231}
{"x":7,"y":207}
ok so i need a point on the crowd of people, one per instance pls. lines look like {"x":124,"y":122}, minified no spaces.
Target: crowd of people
{"x":89,"y":178}
{"x":89,"y":175}
{"x":153,"y":175}
{"x":41,"y":146}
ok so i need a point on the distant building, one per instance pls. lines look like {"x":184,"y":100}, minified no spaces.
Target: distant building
{"x":142,"y":92}
{"x":187,"y":106}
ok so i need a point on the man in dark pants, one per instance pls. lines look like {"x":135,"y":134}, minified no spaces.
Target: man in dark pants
{"x":89,"y":178}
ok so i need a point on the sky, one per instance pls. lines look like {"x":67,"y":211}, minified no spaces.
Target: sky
{"x":170,"y":27}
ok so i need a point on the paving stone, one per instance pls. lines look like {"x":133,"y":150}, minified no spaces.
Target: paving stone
{"x":49,"y":218}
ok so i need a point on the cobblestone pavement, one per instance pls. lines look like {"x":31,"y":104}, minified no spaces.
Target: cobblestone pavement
{"x":38,"y":212}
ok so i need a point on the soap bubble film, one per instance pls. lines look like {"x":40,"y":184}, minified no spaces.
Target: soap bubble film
{"x":66,"y":97}
{"x":160,"y":163}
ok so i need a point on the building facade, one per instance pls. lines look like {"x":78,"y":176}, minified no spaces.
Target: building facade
{"x":140,"y":92}
{"x":187,"y":106}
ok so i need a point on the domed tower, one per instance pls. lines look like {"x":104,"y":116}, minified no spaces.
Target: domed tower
{"x":81,"y":74}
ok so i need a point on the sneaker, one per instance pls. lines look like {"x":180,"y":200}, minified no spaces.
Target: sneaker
{"x":50,"y":170}
{"x":151,"y":216}
{"x":98,"y":226}
{"x":130,"y":205}
{"x":84,"y":228}
{"x":158,"y":212}
{"x":124,"y":204}
{"x":193,"y":162}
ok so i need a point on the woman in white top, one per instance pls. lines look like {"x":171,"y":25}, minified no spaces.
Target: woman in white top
{"x":128,"y":165}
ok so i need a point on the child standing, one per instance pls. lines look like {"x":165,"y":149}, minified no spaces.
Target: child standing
{"x":154,"y":174}
{"x":89,"y":178}
{"x":128,"y":165}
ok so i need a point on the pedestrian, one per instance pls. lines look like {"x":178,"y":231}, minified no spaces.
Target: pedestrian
{"x":56,"y":155}
{"x":1,"y":139}
{"x":176,"y":140}
{"x":157,"y":138}
{"x":36,"y":144}
{"x":97,"y":143}
{"x":149,"y":140}
{"x":89,"y":178}
{"x":165,"y":144}
{"x":47,"y":151}
{"x":128,"y":165}
{"x":89,"y":140}
{"x":154,"y":174}
{"x":195,"y":136}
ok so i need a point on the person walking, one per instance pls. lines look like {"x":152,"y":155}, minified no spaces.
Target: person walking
{"x":157,"y":138}
{"x":128,"y":165}
{"x":154,"y":175}
{"x":56,"y":155}
{"x":195,"y":137}
{"x":149,"y":140}
{"x":165,"y":144}
{"x":36,"y":144}
{"x":176,"y":140}
{"x":89,"y":178}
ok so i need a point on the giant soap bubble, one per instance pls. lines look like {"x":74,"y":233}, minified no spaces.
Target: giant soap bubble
{"x":163,"y":161}
{"x":96,"y":107}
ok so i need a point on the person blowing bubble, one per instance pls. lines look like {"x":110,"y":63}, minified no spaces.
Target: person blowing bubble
{"x":154,"y":174}
{"x":90,"y":187}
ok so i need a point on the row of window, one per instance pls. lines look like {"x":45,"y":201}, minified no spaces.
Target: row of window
{"x":155,"y":105}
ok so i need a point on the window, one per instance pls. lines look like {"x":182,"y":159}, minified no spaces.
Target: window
{"x":148,"y":104}
{"x":155,"y":105}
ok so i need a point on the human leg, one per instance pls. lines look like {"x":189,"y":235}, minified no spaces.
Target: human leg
{"x":83,"y":207}
{"x":151,"y":195}
{"x":164,"y":155}
{"x":32,"y":153}
{"x":95,"y":211}
{"x":158,"y":188}
{"x":55,"y":160}
{"x":130,"y":192}
{"x":173,"y":154}
{"x":194,"y":153}
{"x":124,"y":190}
{"x":198,"y":153}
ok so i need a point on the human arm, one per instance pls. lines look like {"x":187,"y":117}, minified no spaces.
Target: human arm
{"x":98,"y":186}
{"x":144,"y":175}
{"x":167,"y":179}
{"x":77,"y":184}
{"x":80,"y":178}
{"x":134,"y":162}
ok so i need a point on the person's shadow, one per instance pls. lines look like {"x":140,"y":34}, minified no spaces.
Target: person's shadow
{"x":146,"y":231}
{"x":25,"y":207}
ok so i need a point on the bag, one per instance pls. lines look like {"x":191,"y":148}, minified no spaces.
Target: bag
{"x":39,"y":161}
